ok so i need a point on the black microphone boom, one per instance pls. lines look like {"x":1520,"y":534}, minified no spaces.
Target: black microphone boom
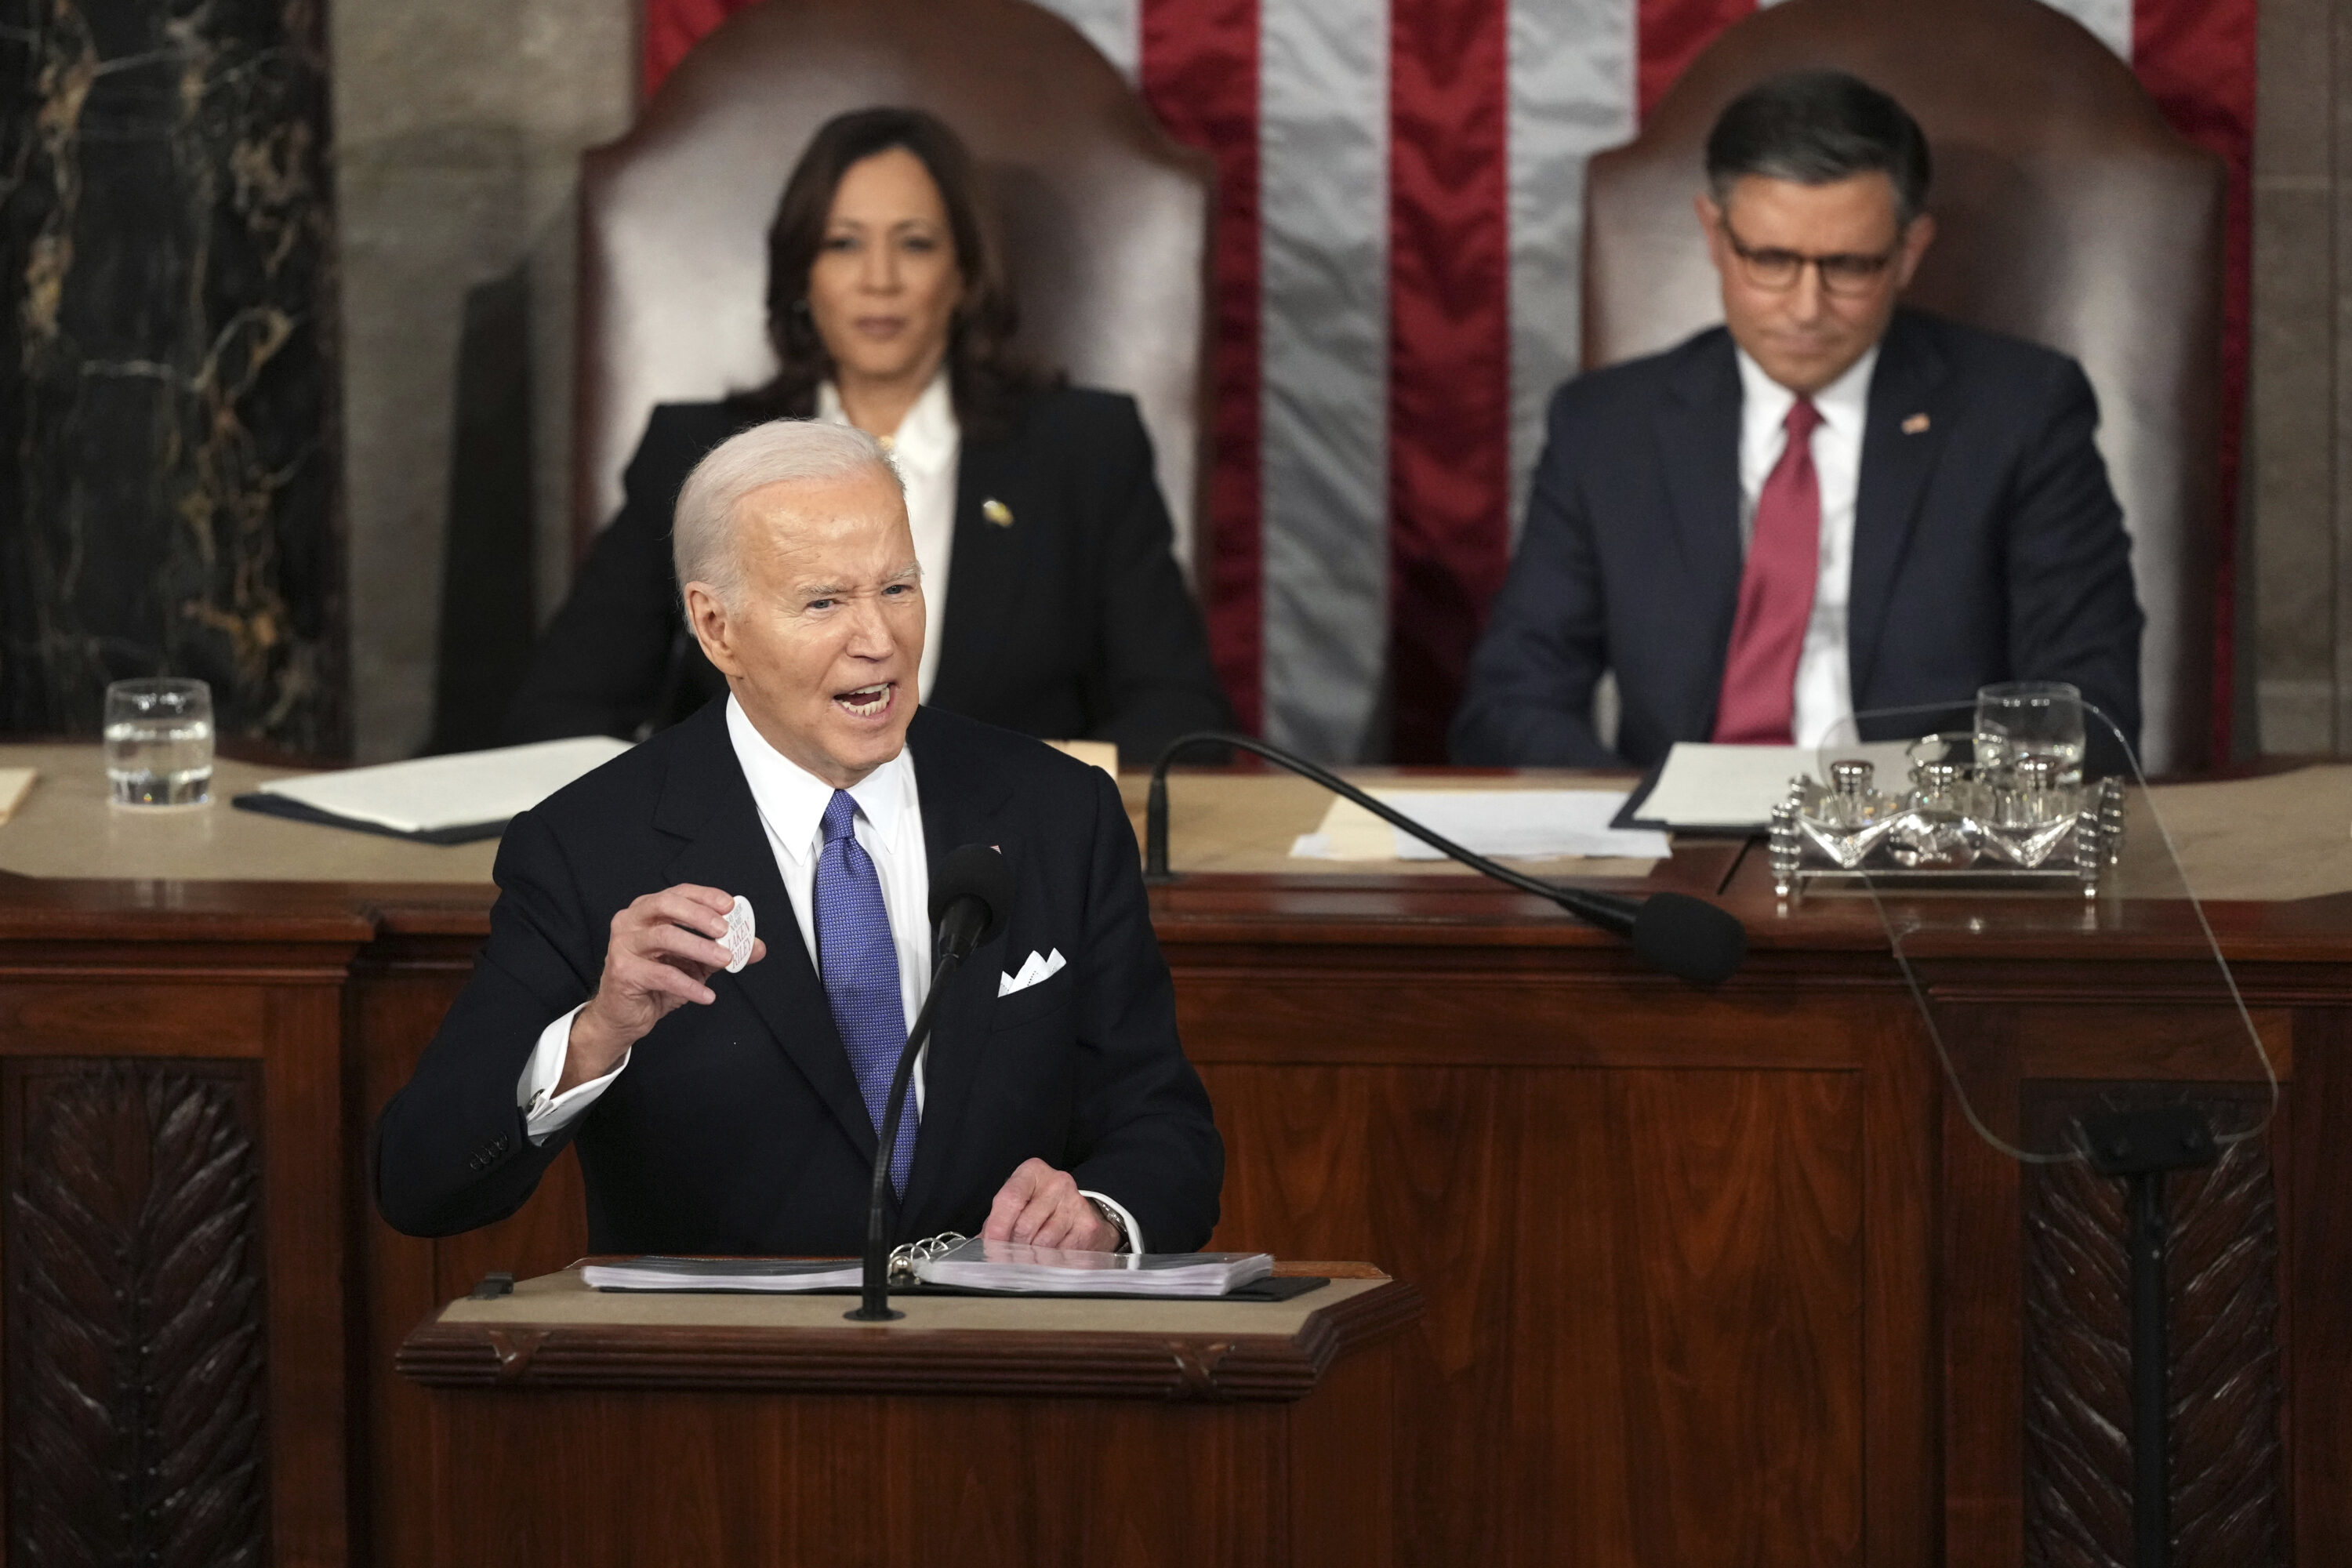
{"x":1688,"y":937}
{"x":969,"y":899}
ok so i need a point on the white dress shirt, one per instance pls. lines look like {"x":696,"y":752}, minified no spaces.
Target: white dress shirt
{"x":792,"y":802}
{"x":1824,"y":691}
{"x":925,"y":447}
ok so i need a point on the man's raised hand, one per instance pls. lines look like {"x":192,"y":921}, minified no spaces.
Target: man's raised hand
{"x":663,"y":947}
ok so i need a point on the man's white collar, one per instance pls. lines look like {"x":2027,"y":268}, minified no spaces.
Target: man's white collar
{"x":1843,"y":403}
{"x":791,"y":800}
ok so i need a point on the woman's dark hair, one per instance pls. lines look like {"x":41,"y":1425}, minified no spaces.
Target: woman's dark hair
{"x":1816,"y":127}
{"x":987,"y":376}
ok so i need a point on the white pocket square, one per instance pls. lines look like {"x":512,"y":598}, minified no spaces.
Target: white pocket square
{"x":1038,"y":966}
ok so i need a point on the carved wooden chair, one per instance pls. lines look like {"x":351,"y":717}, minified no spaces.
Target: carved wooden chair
{"x":1105,"y":219}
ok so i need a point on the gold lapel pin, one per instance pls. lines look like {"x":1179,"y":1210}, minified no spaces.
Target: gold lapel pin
{"x":1916,"y":424}
{"x":997,"y":512}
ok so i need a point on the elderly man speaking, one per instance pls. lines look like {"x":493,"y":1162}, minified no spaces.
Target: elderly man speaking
{"x":739,"y":1113}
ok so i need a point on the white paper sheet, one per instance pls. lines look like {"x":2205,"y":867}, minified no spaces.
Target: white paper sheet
{"x":1706,"y":786}
{"x":457,"y":790}
{"x":1519,"y":824}
{"x":16,"y":784}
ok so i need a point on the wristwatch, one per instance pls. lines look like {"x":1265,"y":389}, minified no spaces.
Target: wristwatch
{"x":1111,"y":1217}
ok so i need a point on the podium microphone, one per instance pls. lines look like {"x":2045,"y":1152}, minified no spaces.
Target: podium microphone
{"x":1688,"y":937}
{"x":969,"y":898}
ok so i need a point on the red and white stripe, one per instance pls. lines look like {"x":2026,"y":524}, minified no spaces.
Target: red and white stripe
{"x":1400,"y":189}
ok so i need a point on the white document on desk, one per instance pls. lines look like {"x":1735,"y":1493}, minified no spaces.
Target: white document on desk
{"x":1706,"y":785}
{"x":454,"y":791}
{"x":1514,"y":824}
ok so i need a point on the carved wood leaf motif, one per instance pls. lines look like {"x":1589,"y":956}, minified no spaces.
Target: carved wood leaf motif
{"x":2223,"y":1279}
{"x":133,"y":1333}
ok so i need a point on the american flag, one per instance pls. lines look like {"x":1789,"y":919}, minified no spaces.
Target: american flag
{"x":1400,"y":187}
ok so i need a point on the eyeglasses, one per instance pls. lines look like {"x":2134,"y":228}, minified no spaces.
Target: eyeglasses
{"x":1844,"y":273}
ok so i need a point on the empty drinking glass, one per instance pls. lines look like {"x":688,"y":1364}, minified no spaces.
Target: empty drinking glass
{"x":2022,"y":719}
{"x":159,"y":742}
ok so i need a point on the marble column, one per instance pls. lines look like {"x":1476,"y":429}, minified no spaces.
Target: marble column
{"x":458,"y":130}
{"x":2299,"y":423}
{"x":170,"y":405}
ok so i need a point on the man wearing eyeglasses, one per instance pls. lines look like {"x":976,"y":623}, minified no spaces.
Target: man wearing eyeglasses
{"x":1828,"y":505}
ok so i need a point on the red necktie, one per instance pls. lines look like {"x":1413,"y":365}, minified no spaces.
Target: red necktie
{"x":1776,"y":595}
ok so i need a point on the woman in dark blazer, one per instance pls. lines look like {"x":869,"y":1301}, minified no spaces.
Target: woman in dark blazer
{"x":1063,"y":614}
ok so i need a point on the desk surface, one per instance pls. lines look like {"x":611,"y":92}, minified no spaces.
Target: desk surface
{"x":2273,"y":841}
{"x":562,"y":1300}
{"x":68,"y":828}
{"x":555,"y":1332}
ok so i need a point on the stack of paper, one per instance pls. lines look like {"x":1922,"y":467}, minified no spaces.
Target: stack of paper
{"x":1517,"y":825}
{"x":443,"y":800}
{"x":1703,"y":785}
{"x":730,"y":1274}
{"x":16,"y":784}
{"x":1010,"y":1265}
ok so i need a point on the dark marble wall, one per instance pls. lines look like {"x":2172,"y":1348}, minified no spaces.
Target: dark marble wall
{"x":168,"y":363}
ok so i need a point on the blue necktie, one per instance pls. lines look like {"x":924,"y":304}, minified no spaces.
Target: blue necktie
{"x":861,"y":973}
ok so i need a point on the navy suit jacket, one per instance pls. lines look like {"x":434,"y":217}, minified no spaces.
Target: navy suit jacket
{"x":1988,"y":547}
{"x":737,"y":1127}
{"x":1072,"y":622}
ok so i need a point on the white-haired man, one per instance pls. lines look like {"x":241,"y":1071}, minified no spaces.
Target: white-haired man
{"x":739,"y":1113}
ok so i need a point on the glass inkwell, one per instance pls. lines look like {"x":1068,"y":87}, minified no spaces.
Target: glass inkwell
{"x":1848,"y":819}
{"x":1995,"y":810}
{"x":1937,"y":831}
{"x":2032,"y":814}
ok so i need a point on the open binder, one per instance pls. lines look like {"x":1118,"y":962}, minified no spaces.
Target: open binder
{"x":956,"y":1266}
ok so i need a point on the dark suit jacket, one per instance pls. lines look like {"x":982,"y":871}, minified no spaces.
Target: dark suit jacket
{"x":1071,"y":624}
{"x":737,"y":1127}
{"x":1987,"y":546}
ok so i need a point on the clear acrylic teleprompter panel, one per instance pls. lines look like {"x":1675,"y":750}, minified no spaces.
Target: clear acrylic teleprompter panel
{"x":1984,"y":933}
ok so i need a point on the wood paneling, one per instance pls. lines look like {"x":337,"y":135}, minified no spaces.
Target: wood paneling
{"x":859,"y":1479}
{"x":1721,"y":1277}
{"x":396,"y":1449}
{"x":163,"y":988}
{"x":590,"y":1480}
{"x":1359,"y":1012}
{"x":128,"y":1018}
{"x":1712,"y":1276}
{"x":135,"y":1327}
{"x":1684,"y":1246}
{"x":1983,"y":1371}
{"x":2222,"y":1279}
{"x":308,"y":1221}
{"x":2315,"y":1218}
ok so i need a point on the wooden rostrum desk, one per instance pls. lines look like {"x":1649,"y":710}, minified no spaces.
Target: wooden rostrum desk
{"x":590,"y":1428}
{"x":1709,"y":1276}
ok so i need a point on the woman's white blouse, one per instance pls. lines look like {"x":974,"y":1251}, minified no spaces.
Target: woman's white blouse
{"x":925,"y":446}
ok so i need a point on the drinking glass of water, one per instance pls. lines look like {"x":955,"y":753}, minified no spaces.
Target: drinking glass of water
{"x":2022,"y":719}
{"x":159,"y":742}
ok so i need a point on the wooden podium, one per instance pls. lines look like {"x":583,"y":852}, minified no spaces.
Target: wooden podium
{"x":577,"y":1427}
